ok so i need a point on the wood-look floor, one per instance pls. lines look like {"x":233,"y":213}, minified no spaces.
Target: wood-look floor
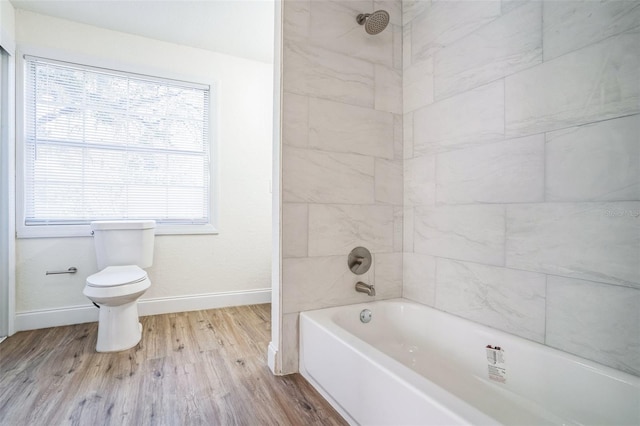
{"x":192,"y":368}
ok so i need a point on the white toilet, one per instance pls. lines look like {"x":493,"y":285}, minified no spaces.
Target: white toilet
{"x":123,"y":248}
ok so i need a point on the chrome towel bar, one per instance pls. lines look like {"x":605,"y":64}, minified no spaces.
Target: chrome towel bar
{"x":71,"y":270}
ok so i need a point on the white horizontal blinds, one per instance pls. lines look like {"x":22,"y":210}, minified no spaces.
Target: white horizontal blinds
{"x":108,"y":145}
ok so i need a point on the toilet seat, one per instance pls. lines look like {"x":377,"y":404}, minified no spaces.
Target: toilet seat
{"x":115,"y":276}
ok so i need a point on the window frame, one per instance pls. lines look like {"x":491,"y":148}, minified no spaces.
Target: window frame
{"x":84,"y":230}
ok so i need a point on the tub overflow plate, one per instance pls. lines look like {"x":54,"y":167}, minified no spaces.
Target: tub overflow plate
{"x":365,"y":316}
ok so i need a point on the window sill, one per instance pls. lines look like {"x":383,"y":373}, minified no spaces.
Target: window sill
{"x":71,"y":231}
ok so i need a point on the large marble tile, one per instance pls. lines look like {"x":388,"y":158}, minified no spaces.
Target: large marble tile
{"x":387,"y":275}
{"x":320,"y":282}
{"x":337,"y":229}
{"x":464,"y":120}
{"x":594,"y":162}
{"x":593,"y":241}
{"x":327,"y":177}
{"x":398,"y":228}
{"x":506,"y":299}
{"x":398,"y":51}
{"x":466,"y":232}
{"x":407,"y":135}
{"x":406,"y":45}
{"x":398,"y":148}
{"x":334,"y":126}
{"x":571,"y":25}
{"x":420,"y":180}
{"x":510,"y":5}
{"x":334,"y":27}
{"x":310,"y":70}
{"x":419,"y":272}
{"x":290,"y":339}
{"x":448,"y":21}
{"x":388,"y":185}
{"x":388,"y":83}
{"x":393,"y":7}
{"x":590,"y":84}
{"x":504,"y":46}
{"x":408,"y":219}
{"x":412,"y":8}
{"x":295,"y":230}
{"x":296,"y":20}
{"x":595,"y":321}
{"x":295,"y":120}
{"x":511,"y":171}
{"x":417,"y":85}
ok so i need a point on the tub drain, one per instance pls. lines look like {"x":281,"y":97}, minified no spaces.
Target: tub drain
{"x":365,"y":315}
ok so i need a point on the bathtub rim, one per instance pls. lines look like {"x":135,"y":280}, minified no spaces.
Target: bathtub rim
{"x":618,"y":375}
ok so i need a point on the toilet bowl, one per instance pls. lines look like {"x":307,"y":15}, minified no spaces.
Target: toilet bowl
{"x":123,"y":248}
{"x":116,"y":289}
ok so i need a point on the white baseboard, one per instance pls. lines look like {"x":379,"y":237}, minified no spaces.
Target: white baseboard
{"x":272,"y":353}
{"x":45,"y":318}
{"x":197,"y":302}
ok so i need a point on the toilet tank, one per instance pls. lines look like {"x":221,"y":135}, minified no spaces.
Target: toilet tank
{"x":124,"y":242}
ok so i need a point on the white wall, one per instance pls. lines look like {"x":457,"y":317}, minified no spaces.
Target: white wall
{"x":7,"y":22}
{"x":522,"y":169}
{"x":238,"y":258}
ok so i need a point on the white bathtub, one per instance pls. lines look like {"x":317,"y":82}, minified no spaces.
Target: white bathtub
{"x":413,"y":365}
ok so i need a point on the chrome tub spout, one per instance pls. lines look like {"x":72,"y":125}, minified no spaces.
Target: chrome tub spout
{"x":365,"y":288}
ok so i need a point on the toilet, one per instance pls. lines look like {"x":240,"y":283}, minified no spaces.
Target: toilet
{"x":123,"y":248}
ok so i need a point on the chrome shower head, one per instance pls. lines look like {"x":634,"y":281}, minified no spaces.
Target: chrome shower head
{"x":374,"y":23}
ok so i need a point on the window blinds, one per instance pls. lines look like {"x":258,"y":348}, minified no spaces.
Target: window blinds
{"x":102,"y":144}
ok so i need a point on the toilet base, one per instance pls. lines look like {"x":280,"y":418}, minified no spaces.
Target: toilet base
{"x":118,"y":327}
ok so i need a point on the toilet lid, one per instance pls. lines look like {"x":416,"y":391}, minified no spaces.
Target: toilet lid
{"x":112,"y":276}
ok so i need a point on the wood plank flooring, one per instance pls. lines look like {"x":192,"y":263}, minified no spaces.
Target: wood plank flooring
{"x":192,"y":368}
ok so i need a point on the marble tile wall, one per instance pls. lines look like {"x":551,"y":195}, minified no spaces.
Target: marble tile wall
{"x":341,"y":157}
{"x":486,"y":151}
{"x":521,"y":169}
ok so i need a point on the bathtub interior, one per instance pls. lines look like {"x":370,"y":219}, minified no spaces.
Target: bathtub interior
{"x":537,"y":383}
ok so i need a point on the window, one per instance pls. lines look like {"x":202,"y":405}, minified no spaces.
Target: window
{"x":102,"y":144}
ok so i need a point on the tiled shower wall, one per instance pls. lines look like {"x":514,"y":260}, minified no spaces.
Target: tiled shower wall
{"x":341,"y":157}
{"x":522,"y":169}
{"x":521,"y":165}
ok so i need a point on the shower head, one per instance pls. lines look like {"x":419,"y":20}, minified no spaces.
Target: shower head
{"x":374,"y":23}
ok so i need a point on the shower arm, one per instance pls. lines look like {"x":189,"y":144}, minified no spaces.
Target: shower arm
{"x":362,"y":17}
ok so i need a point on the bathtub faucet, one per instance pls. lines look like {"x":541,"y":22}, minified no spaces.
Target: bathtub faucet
{"x":365,"y":288}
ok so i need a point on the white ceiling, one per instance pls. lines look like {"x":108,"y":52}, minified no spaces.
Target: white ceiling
{"x":236,"y":27}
